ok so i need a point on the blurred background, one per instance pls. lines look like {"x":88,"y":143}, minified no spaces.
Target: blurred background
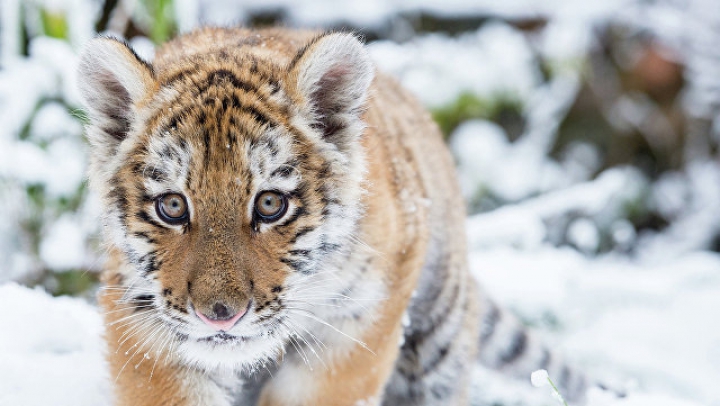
{"x":586,"y":136}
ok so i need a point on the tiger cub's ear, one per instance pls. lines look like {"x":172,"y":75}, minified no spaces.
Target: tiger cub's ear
{"x":331,"y":77}
{"x":112,"y":80}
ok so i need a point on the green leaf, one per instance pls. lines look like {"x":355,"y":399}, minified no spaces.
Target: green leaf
{"x":54,"y":24}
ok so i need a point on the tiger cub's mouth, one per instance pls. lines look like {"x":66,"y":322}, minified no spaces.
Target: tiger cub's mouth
{"x":223,"y":338}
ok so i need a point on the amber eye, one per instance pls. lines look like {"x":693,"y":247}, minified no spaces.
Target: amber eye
{"x":172,"y":208}
{"x":270,"y":206}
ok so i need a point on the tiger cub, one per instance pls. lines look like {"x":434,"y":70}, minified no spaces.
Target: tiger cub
{"x":273,"y":204}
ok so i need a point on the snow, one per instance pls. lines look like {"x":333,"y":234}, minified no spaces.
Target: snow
{"x":539,"y":378}
{"x":374,"y":13}
{"x":143,"y":47}
{"x":52,"y":121}
{"x":584,"y":235}
{"x":13,"y":255}
{"x":61,"y":167}
{"x":697,"y":222}
{"x":64,"y":244}
{"x":601,"y":399}
{"x":61,"y":59}
{"x":10,"y":30}
{"x":524,"y":223}
{"x":438,"y":70}
{"x":50,"y":350}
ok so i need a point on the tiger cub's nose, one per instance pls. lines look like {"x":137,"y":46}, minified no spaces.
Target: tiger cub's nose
{"x":221,"y":312}
{"x":222,"y":317}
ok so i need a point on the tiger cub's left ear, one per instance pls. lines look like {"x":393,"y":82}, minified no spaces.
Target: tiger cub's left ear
{"x":113,"y":80}
{"x":332,"y":75}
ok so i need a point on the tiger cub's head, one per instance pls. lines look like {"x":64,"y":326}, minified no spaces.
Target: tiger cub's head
{"x":229,"y":180}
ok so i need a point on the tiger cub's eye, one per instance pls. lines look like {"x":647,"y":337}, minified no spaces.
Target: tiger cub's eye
{"x":172,"y":208}
{"x":270,"y":206}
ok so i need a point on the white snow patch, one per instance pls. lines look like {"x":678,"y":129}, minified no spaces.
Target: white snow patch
{"x":584,"y":234}
{"x":53,"y":121}
{"x":61,"y":59}
{"x":144,"y":47}
{"x":523,"y":224}
{"x":539,"y":378}
{"x":63,"y":247}
{"x":438,"y":68}
{"x":50,"y":350}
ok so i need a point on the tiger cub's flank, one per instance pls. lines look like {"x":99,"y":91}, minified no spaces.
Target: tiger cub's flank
{"x":270,"y":203}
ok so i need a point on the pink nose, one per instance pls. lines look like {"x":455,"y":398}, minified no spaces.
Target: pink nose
{"x":223,"y":323}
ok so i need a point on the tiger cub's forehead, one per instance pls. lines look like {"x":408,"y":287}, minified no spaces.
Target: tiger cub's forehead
{"x":225,"y":121}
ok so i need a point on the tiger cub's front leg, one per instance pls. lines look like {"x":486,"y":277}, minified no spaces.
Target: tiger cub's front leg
{"x":353,"y":375}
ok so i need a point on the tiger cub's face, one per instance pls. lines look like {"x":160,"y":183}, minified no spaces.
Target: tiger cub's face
{"x":230,"y":184}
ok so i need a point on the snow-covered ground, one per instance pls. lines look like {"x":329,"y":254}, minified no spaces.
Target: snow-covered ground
{"x":642,"y":315}
{"x":50,"y":350}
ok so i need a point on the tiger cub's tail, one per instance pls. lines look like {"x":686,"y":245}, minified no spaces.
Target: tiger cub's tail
{"x":507,"y":346}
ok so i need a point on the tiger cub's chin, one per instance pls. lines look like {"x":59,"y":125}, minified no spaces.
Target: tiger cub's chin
{"x":226,"y":352}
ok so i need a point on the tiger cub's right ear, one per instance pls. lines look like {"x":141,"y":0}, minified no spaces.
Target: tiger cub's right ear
{"x":112,"y":80}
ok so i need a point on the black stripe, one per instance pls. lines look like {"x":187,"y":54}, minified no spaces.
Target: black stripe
{"x":300,"y":190}
{"x":301,"y":233}
{"x":118,"y":131}
{"x":173,"y":122}
{"x":144,"y":236}
{"x":142,"y":302}
{"x":232,"y":137}
{"x":300,"y":266}
{"x":221,"y":76}
{"x":179,"y":76}
{"x":487,"y":327}
{"x":516,"y":349}
{"x":327,"y":247}
{"x":206,"y":140}
{"x":283,"y":171}
{"x":448,"y":306}
{"x":142,"y":215}
{"x":434,"y":362}
{"x":293,"y":263}
{"x":256,"y":114}
{"x":440,"y":391}
{"x":156,"y":174}
{"x":184,"y":145}
{"x":564,"y":378}
{"x":119,"y":195}
{"x":545,"y":360}
{"x":270,"y":144}
{"x":299,"y":212}
{"x":150,"y":264}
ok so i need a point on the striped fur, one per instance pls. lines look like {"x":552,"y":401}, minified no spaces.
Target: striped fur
{"x":373,"y":232}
